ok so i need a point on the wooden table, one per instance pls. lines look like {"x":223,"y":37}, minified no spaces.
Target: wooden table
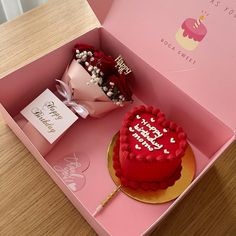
{"x":30,"y":202}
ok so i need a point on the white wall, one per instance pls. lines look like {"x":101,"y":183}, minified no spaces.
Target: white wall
{"x":29,"y":4}
{"x":9,"y":9}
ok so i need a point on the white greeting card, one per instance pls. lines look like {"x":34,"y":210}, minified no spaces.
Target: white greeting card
{"x":49,"y":115}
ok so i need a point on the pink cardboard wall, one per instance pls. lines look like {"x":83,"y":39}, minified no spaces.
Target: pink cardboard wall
{"x":203,"y":129}
{"x":207,"y":74}
{"x":19,"y":88}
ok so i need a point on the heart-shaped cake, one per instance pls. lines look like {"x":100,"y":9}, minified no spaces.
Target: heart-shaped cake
{"x":149,"y":150}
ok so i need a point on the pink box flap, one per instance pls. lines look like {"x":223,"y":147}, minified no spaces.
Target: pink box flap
{"x":191,"y":43}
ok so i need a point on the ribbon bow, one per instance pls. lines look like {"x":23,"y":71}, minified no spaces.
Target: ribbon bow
{"x":64,"y":90}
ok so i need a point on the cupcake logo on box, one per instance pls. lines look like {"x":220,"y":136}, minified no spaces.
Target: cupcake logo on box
{"x":192,"y":32}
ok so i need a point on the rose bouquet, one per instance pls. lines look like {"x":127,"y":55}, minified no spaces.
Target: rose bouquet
{"x":94,"y":82}
{"x":92,"y":85}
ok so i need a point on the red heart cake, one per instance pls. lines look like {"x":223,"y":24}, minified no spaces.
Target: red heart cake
{"x":149,"y":150}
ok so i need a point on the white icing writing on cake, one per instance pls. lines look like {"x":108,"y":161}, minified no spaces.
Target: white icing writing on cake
{"x":152,"y":120}
{"x":144,"y":143}
{"x":152,"y":128}
{"x":172,"y":140}
{"x":137,"y":147}
{"x":143,"y":136}
{"x":166,"y":151}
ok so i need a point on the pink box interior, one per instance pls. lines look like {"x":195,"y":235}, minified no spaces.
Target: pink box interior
{"x":208,"y":135}
{"x":148,"y":28}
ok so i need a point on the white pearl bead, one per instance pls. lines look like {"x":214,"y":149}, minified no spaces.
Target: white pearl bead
{"x":86,"y":63}
{"x":77,"y":50}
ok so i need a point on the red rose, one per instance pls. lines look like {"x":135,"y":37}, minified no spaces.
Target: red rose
{"x":83,"y":47}
{"x":107,"y":66}
{"x":122,"y":85}
{"x":105,"y":63}
{"x":98,"y":54}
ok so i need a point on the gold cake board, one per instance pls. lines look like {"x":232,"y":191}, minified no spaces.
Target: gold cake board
{"x":162,"y":195}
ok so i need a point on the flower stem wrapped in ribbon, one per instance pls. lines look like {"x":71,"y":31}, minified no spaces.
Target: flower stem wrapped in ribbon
{"x":92,"y":85}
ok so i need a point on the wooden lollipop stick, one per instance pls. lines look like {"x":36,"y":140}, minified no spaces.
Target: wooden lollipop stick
{"x":105,"y":201}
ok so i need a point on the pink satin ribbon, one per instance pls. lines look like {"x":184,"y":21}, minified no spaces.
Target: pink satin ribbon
{"x":64,"y":90}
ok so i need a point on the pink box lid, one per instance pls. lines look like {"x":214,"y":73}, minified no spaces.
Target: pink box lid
{"x":190,"y":43}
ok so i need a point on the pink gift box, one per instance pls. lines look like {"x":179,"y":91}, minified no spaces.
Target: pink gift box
{"x":193,"y":87}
